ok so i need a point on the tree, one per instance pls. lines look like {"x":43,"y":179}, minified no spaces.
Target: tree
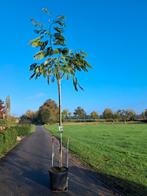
{"x":2,"y":109}
{"x":145,"y":113}
{"x":24,"y":119}
{"x":94,"y":115}
{"x":130,"y":115}
{"x":48,"y":112}
{"x":7,"y":107}
{"x":65,"y":114}
{"x":55,"y":60}
{"x":28,"y":117}
{"x":108,"y":114}
{"x":30,"y":114}
{"x":122,"y":115}
{"x":79,"y":113}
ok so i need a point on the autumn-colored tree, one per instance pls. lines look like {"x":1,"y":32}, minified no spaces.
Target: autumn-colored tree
{"x":130,"y":115}
{"x":2,"y":109}
{"x":30,"y":114}
{"x":48,"y":112}
{"x":79,"y":113}
{"x":94,"y":115}
{"x":108,"y":114}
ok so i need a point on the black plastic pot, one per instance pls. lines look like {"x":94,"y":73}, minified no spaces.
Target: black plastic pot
{"x":58,"y":178}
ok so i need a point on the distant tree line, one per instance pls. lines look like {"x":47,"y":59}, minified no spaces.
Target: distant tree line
{"x":48,"y":113}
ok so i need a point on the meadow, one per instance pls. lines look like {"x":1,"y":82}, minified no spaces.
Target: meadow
{"x":117,"y":152}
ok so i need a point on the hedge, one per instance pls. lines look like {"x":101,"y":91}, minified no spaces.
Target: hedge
{"x":23,"y":130}
{"x":3,"y":122}
{"x":8,"y":137}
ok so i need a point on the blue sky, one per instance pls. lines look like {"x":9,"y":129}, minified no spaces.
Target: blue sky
{"x":112,"y":32}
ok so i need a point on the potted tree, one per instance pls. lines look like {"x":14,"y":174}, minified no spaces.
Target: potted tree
{"x":54,"y":61}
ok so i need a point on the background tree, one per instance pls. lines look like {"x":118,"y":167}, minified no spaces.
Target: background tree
{"x":122,"y":114}
{"x":30,"y":114}
{"x":2,"y":109}
{"x":145,"y":113}
{"x":108,"y":114}
{"x":66,"y":114}
{"x":28,"y":117}
{"x":116,"y":116}
{"x":130,"y":115}
{"x":48,"y":112}
{"x":79,"y":113}
{"x":94,"y":115}
{"x":7,"y":106}
{"x":55,"y":60}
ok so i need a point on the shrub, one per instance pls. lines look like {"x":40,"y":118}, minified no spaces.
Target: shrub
{"x":8,"y":136}
{"x":23,"y":130}
{"x":7,"y":139}
{"x":2,"y":122}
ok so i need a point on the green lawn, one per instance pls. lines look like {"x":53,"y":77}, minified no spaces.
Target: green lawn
{"x":117,"y":151}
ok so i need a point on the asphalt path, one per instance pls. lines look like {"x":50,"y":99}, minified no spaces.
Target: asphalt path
{"x":24,"y":171}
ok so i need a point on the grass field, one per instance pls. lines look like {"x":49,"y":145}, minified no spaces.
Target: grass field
{"x":117,"y":151}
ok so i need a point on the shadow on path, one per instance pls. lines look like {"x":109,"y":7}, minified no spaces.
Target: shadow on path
{"x":24,"y":172}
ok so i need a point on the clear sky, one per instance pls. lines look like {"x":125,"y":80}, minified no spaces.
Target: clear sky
{"x":112,"y":32}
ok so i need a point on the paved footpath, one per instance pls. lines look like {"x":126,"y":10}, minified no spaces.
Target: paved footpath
{"x":24,"y":171}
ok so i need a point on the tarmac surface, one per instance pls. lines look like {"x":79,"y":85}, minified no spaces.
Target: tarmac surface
{"x":24,"y":170}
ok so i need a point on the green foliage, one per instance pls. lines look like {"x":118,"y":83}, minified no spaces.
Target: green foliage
{"x":145,"y":113}
{"x":29,"y":117}
{"x":66,"y":114}
{"x":126,"y":115}
{"x":48,"y":112}
{"x":2,"y":109}
{"x":23,"y":130}
{"x":8,"y":137}
{"x":80,"y":113}
{"x":55,"y":60}
{"x":108,"y":114}
{"x":117,"y":150}
{"x":3,"y":122}
{"x":94,"y":115}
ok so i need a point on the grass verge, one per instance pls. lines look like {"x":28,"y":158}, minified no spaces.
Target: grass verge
{"x":117,"y":152}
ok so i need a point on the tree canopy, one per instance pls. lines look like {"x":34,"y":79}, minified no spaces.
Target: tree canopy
{"x":108,"y":114}
{"x":55,"y":60}
{"x":94,"y":115}
{"x":79,"y":113}
{"x":48,"y":112}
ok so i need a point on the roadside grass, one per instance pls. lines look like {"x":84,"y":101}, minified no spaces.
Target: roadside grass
{"x":33,"y":128}
{"x":117,"y":151}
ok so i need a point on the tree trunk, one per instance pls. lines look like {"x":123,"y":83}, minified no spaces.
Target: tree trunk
{"x":60,"y":120}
